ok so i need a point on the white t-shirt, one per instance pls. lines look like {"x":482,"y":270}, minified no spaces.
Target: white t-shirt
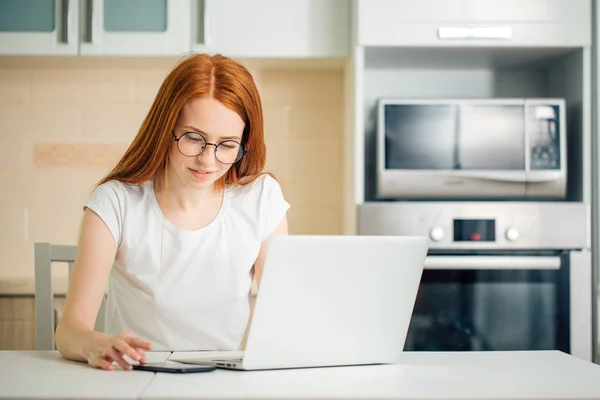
{"x":185,"y":290}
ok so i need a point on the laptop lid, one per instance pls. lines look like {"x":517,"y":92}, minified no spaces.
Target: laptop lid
{"x":334,"y":300}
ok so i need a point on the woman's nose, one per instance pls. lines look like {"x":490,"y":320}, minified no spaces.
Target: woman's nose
{"x":208,"y":155}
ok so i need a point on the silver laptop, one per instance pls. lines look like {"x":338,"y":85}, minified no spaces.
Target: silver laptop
{"x":332,"y":301}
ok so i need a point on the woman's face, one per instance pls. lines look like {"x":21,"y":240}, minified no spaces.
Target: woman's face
{"x":202,"y":124}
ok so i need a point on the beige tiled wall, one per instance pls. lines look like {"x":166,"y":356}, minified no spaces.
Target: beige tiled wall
{"x":64,"y":123}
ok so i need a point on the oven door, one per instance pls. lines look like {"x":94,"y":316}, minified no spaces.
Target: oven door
{"x":492,"y":302}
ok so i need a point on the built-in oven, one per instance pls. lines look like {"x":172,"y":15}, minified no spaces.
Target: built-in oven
{"x":498,"y":275}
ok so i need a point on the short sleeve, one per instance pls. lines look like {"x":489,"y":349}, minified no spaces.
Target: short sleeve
{"x":273,"y":206}
{"x":107,"y":201}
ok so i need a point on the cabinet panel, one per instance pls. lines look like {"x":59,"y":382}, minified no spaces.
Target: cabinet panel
{"x":390,"y":12}
{"x":136,"y":27}
{"x":515,"y":10}
{"x":551,"y":23}
{"x":118,"y":13}
{"x":27,"y":16}
{"x":275,"y":28}
{"x":39,"y":27}
{"x":17,"y":321}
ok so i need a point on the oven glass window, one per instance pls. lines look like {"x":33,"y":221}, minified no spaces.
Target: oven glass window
{"x":490,"y":310}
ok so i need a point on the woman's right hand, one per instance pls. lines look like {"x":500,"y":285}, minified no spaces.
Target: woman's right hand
{"x":104,"y":350}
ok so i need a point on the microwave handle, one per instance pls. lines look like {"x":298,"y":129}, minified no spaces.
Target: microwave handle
{"x":525,"y":177}
{"x":492,"y":262}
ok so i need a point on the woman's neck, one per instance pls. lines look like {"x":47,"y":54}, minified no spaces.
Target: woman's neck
{"x":174,"y":195}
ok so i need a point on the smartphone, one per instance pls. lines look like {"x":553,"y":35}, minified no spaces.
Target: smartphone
{"x":174,"y":367}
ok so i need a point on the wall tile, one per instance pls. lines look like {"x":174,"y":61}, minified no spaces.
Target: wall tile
{"x":148,"y":82}
{"x":302,"y":88}
{"x":16,"y":120}
{"x":16,"y":154}
{"x":89,"y":85}
{"x":320,"y":190}
{"x":77,"y":155}
{"x":56,"y":122}
{"x":16,"y":86}
{"x":112,"y":123}
{"x":315,"y":220}
{"x":45,"y":188}
{"x":277,"y":123}
{"x":89,"y":179}
{"x":315,"y":157}
{"x":54,"y":225}
{"x":316,"y":123}
{"x":16,"y":259}
{"x":14,"y":224}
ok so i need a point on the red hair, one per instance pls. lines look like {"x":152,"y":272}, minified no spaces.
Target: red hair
{"x":197,"y":75}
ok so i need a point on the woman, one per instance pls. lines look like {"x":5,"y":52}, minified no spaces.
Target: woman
{"x":181,"y":225}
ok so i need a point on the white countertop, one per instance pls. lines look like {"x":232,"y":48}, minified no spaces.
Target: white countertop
{"x":490,"y":375}
{"x":46,"y":375}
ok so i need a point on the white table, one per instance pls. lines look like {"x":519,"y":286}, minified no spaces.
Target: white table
{"x":46,"y":375}
{"x":500,"y":375}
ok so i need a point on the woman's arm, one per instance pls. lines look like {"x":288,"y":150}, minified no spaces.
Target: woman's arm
{"x":259,"y":264}
{"x":75,"y":335}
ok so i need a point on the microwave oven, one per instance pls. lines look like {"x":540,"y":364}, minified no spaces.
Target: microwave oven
{"x":471,"y":149}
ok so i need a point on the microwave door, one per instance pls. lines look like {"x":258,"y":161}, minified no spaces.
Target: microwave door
{"x":419,"y":137}
{"x":492,"y":138}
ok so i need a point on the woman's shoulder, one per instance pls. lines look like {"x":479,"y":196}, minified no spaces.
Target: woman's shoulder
{"x":257,"y":188}
{"x":118,"y":190}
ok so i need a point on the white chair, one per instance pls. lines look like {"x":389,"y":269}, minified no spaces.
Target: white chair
{"x":45,"y":315}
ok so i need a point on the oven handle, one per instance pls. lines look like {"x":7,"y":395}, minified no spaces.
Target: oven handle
{"x":492,"y":262}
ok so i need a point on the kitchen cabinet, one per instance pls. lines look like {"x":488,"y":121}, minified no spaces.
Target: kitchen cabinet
{"x":136,"y":27}
{"x":551,"y":23}
{"x":237,"y":28}
{"x":274,"y":28}
{"x":39,"y":27}
{"x":95,"y":27}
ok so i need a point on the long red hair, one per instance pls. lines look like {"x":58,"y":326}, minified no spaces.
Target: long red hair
{"x":197,"y":75}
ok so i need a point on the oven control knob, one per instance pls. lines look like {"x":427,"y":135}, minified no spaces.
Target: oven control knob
{"x":512,"y":234}
{"x":436,"y":234}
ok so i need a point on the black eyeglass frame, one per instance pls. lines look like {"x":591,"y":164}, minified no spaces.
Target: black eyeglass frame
{"x":207,"y":143}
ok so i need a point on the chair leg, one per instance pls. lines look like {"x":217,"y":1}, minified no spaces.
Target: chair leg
{"x":44,"y":298}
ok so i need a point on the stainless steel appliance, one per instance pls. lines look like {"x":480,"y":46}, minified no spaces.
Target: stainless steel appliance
{"x":498,"y":275}
{"x":471,"y":148}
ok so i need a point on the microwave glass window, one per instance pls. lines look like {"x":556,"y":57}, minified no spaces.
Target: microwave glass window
{"x":492,"y":137}
{"x":544,"y":143}
{"x":420,"y":136}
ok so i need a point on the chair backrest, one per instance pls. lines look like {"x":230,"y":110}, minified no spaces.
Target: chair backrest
{"x":45,"y":255}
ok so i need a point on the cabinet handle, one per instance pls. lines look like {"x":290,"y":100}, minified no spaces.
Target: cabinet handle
{"x":493,"y":262}
{"x":203,"y":32}
{"x":89,"y":11}
{"x":66,"y":21}
{"x":487,"y":32}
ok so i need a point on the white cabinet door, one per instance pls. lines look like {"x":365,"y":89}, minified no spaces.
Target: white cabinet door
{"x":277,"y":28}
{"x":39,"y":27}
{"x":135,"y":27}
{"x":474,"y":22}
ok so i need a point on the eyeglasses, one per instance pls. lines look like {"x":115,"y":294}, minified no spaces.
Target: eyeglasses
{"x":192,"y":144}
